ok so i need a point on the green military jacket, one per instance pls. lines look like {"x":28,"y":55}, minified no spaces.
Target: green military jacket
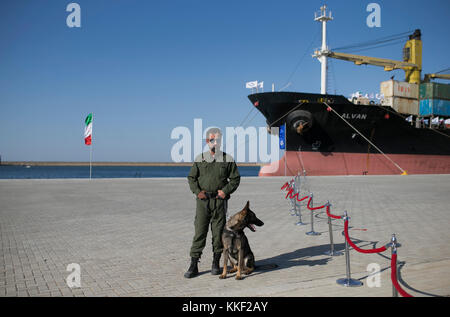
{"x":213,"y":173}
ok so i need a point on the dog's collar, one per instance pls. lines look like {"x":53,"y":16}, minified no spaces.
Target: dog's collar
{"x":234,"y":233}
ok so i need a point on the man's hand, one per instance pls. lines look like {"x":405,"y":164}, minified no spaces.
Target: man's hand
{"x":220,"y":194}
{"x":202,"y":195}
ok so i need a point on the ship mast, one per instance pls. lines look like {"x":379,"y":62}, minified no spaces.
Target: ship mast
{"x":322,"y":54}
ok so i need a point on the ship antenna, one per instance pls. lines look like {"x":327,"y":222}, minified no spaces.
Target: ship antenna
{"x":323,"y":52}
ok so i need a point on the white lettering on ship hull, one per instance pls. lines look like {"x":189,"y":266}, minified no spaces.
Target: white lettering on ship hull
{"x":360,"y":116}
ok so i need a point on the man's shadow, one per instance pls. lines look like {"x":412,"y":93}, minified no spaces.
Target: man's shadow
{"x":300,"y":257}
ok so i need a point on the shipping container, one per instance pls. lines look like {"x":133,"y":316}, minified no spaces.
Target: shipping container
{"x":394,"y":88}
{"x":436,"y":107}
{"x":402,"y":105}
{"x":361,"y":101}
{"x":434,"y":91}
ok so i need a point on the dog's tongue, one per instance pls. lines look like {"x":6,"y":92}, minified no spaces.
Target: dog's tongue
{"x":252,"y":227}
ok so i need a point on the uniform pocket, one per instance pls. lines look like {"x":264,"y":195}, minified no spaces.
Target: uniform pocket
{"x":202,"y":168}
{"x":223,"y":169}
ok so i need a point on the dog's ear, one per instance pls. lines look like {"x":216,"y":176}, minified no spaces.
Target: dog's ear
{"x":247,"y":206}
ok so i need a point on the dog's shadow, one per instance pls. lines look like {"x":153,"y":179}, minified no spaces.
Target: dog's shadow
{"x":298,"y":257}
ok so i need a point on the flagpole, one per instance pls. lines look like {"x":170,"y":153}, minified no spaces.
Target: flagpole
{"x":90,"y":163}
{"x":90,"y":152}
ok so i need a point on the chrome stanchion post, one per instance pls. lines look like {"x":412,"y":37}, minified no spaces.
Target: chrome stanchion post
{"x":292,"y":210}
{"x":296,"y":203}
{"x":394,"y":251}
{"x":312,"y":232}
{"x":330,"y":229}
{"x":299,"y":222}
{"x":293,"y":200}
{"x":348,"y":281}
{"x":293,"y":207}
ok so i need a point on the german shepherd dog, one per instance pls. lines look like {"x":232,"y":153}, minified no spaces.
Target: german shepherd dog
{"x":235,"y":243}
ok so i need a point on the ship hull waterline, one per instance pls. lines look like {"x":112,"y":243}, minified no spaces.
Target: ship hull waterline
{"x":316,"y":164}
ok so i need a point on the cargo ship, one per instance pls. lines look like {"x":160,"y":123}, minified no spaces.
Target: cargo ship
{"x":327,"y":134}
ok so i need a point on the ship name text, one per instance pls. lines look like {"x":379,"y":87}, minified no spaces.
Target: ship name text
{"x":361,"y":116}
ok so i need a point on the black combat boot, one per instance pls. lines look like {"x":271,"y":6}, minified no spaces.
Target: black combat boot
{"x":193,"y":269}
{"x":215,"y":269}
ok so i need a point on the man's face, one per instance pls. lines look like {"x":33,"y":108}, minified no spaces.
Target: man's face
{"x":214,"y":141}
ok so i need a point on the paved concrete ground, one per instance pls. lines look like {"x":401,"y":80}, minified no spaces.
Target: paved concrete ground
{"x":131,"y":237}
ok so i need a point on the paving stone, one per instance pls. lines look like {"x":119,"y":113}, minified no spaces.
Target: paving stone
{"x":131,"y":237}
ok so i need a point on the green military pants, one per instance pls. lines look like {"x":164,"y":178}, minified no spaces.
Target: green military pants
{"x":208,"y":211}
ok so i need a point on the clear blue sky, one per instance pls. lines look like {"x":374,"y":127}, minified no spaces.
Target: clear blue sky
{"x":145,"y":67}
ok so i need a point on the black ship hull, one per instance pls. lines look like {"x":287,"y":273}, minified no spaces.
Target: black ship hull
{"x":327,"y":128}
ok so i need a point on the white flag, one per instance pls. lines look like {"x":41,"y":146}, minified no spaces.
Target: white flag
{"x":435,"y":120}
{"x":261,"y":85}
{"x":251,"y":84}
{"x":409,"y":119}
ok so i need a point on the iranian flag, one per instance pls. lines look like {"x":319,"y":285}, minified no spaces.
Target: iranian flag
{"x":88,"y":130}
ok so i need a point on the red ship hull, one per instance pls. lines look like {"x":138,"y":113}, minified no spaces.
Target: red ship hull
{"x":315,"y":163}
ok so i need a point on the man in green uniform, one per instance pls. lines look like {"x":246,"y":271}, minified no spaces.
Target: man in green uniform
{"x":213,"y":177}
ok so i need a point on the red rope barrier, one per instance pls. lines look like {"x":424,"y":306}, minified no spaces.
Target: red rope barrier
{"x":290,"y":190}
{"x":347,"y":237}
{"x":331,"y":215}
{"x":285,"y":185}
{"x":295,"y":196}
{"x":383,"y":248}
{"x":314,"y":208}
{"x":290,"y":194}
{"x":394,"y":276}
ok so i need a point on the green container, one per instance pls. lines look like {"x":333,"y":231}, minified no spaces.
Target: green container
{"x":434,"y":91}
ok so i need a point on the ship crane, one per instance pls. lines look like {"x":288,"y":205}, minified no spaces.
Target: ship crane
{"x":412,"y":55}
{"x":428,"y":77}
{"x":409,"y":96}
{"x":411,"y":64}
{"x":433,"y":76}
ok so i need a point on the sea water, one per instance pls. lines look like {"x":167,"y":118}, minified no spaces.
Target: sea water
{"x":32,"y":172}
